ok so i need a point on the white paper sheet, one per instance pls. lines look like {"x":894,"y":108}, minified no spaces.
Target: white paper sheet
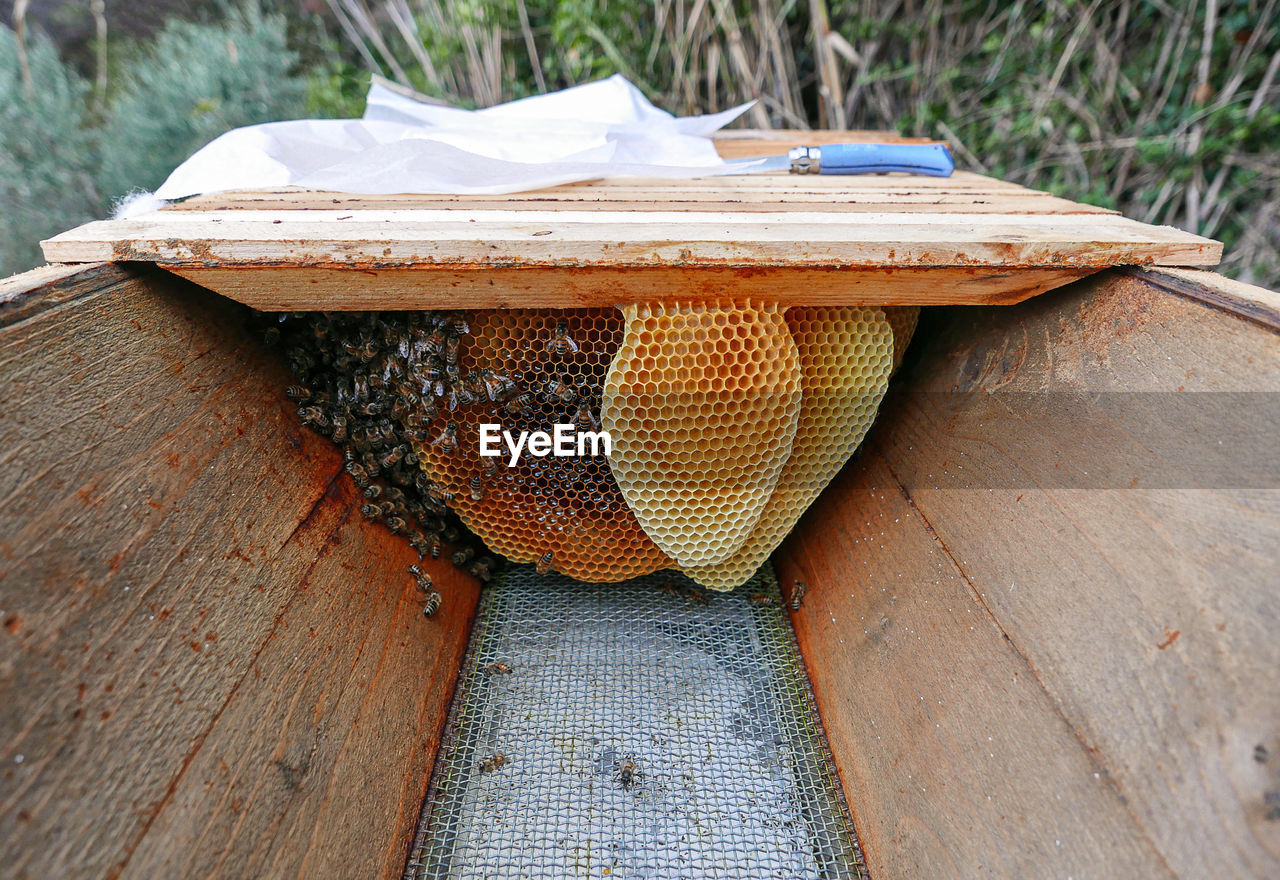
{"x":602,"y":129}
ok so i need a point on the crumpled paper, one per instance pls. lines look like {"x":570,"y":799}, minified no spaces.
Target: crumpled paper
{"x":602,"y":129}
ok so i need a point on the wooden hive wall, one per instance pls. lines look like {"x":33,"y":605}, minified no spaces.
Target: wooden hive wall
{"x":210,"y":663}
{"x":1026,"y":674}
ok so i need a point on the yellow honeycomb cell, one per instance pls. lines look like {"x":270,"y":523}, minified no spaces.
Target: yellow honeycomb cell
{"x":702,"y":402}
{"x":846,"y":355}
{"x":569,"y":507}
{"x":903,"y":319}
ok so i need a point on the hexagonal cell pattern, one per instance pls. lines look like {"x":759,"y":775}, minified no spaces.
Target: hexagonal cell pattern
{"x":846,"y":355}
{"x":903,"y":319}
{"x":702,"y":401}
{"x":569,"y":507}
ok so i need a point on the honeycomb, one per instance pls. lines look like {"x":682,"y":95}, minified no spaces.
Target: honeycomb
{"x":846,"y":356}
{"x":903,"y":319}
{"x":571,"y":507}
{"x":702,"y":402}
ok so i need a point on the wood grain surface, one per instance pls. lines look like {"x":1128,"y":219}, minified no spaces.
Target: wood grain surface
{"x":550,"y":238}
{"x":1145,"y":616}
{"x":875,"y":229}
{"x":210,"y":664}
{"x":303,"y":288}
{"x":955,"y":761}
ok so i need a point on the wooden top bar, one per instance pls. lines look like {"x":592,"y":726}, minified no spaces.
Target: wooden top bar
{"x":892,"y":239}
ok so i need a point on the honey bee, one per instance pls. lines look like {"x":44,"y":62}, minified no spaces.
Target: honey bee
{"x":493,"y":762}
{"x":544,"y":564}
{"x":481,"y":569}
{"x":584,"y":419}
{"x":390,"y":493}
{"x":668,"y":588}
{"x":426,"y":544}
{"x":299,"y":394}
{"x":434,"y":343}
{"x":760,"y":599}
{"x":477,"y":488}
{"x":562,"y":391}
{"x":313,"y":417}
{"x":361,"y":349}
{"x":496,"y":386}
{"x":628,"y":772}
{"x":520,"y":403}
{"x":797,"y":594}
{"x":359,"y":475}
{"x":451,"y":344}
{"x":339,"y":422}
{"x":562,"y":344}
{"x":498,"y":669}
{"x":448,"y":439}
{"x":431,"y":604}
{"x":463,"y":556}
{"x":696,"y":596}
{"x":424,"y":581}
{"x":396,"y":524}
{"x":431,"y":596}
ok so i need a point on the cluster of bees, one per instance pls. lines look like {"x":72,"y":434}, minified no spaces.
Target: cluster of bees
{"x":376,"y":384}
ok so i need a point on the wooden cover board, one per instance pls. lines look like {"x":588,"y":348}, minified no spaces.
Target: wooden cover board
{"x":871,"y":239}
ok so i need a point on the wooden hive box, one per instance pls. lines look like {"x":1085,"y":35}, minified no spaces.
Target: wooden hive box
{"x":211,"y":665}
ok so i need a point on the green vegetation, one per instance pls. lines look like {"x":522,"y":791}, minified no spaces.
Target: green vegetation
{"x":1165,"y":109}
{"x":66,"y":158}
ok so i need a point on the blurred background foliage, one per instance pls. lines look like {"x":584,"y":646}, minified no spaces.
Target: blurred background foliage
{"x":1166,"y":110}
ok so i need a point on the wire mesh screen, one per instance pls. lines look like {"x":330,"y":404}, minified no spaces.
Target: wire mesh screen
{"x":644,"y":729}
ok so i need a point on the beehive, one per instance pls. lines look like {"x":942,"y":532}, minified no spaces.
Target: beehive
{"x":701,"y":401}
{"x":570,"y":507}
{"x":845,"y":357}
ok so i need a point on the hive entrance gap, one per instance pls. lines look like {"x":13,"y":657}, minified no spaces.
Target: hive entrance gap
{"x":705,"y":704}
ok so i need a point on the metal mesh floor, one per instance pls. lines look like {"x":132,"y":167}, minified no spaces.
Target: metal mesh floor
{"x":732,"y":777}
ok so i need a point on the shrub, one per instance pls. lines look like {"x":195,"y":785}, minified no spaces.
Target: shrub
{"x":47,"y":159}
{"x":194,"y":83}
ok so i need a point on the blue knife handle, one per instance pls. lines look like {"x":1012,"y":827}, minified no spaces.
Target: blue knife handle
{"x":931,"y":159}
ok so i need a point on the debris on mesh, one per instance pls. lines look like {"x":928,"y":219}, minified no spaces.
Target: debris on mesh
{"x":846,"y":355}
{"x":701,"y":402}
{"x":642,"y":735}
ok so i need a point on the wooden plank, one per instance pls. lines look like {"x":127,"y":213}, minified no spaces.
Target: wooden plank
{"x":179,"y":560}
{"x":289,"y":289}
{"x":537,"y":239}
{"x":726,"y":193}
{"x":27,"y":293}
{"x":1148,"y":609}
{"x":955,"y":761}
{"x":745,"y":201}
{"x":1247,"y":300}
